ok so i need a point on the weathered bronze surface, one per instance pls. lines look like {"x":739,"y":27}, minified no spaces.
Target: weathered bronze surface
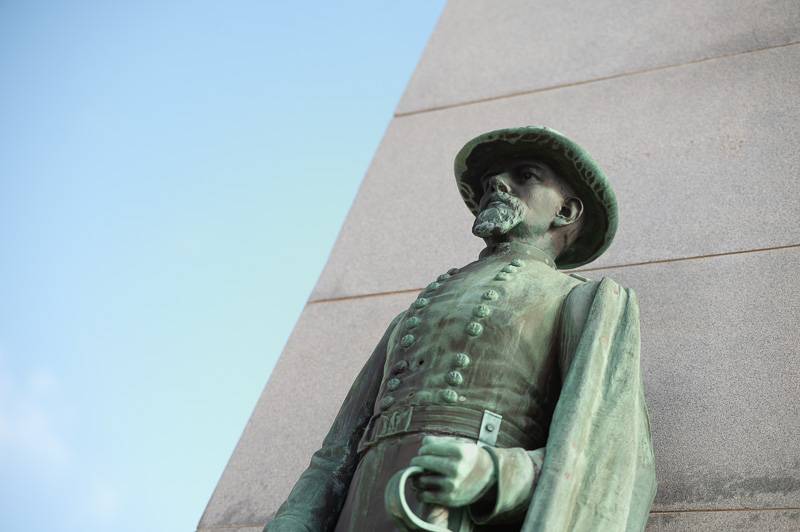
{"x":511,"y":390}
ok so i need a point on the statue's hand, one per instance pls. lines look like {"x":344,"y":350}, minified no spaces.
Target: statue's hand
{"x":460,"y":472}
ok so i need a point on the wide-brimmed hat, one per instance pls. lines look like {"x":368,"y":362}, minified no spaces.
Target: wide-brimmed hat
{"x":568,"y":160}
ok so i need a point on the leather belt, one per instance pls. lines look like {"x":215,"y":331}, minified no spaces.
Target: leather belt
{"x":447,"y":421}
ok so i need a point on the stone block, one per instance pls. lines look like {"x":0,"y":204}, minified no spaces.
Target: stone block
{"x":480,"y":51}
{"x":777,"y":520}
{"x":703,"y":158}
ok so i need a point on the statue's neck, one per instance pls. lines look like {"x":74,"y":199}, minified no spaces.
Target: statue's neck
{"x":518,"y":249}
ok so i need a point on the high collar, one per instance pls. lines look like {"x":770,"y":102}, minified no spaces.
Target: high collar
{"x":517,"y":249}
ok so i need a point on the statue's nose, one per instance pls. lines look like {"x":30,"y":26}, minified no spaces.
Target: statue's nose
{"x":498,"y":183}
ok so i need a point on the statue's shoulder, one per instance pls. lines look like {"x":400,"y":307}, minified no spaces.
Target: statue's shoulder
{"x":580,"y":296}
{"x":583,"y":293}
{"x":584,"y":281}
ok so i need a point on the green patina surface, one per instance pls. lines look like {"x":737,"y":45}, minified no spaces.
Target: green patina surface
{"x":507,"y":335}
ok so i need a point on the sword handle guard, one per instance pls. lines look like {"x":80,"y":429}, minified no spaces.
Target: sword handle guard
{"x":397,"y":505}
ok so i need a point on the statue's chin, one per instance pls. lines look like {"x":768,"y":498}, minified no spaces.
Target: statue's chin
{"x":487,"y":230}
{"x":494,"y":222}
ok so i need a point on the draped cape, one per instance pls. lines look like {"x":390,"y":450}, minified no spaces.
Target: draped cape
{"x":599,"y":472}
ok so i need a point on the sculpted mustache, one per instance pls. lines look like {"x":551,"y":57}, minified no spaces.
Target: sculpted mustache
{"x":503,"y":197}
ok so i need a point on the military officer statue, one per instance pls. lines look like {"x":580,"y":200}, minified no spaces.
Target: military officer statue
{"x":509,"y":393}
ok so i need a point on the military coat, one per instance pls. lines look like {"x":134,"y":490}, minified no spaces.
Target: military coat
{"x":494,"y":335}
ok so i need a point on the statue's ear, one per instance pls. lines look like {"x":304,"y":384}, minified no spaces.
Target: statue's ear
{"x":569,"y":213}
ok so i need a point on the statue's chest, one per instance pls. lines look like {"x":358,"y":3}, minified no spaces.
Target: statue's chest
{"x":472,"y":332}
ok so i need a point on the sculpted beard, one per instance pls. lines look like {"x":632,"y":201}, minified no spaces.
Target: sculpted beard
{"x":501,"y":214}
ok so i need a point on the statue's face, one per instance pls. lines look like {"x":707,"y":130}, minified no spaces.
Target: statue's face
{"x":521,"y":198}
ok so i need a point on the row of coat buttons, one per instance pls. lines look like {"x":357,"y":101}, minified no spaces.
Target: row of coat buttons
{"x":461,"y":360}
{"x":475,"y":328}
{"x":505,"y":273}
{"x":455,"y":378}
{"x":407,"y":340}
{"x":420,"y":303}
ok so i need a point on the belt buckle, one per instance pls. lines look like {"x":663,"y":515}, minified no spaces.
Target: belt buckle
{"x":397,"y":422}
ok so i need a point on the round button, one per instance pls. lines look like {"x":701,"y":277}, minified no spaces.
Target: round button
{"x":474,"y":328}
{"x":392,"y":384}
{"x":434,"y":285}
{"x":454,"y":378}
{"x":490,"y":295}
{"x":502,"y":276}
{"x":481,"y":311}
{"x":407,"y":340}
{"x":443,"y":277}
{"x":421,"y":302}
{"x":400,"y":367}
{"x":509,"y":269}
{"x":452,"y":271}
{"x":449,"y":396}
{"x":412,"y":322}
{"x":489,"y":428}
{"x":462,"y":360}
{"x":386,"y":402}
{"x":518,"y":263}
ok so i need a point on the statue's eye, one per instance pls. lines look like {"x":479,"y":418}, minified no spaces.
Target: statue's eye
{"x":528,"y":175}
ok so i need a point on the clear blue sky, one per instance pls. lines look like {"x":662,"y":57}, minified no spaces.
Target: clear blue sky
{"x":172,"y":178}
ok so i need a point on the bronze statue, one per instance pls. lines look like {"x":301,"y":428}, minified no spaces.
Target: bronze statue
{"x":509,"y":393}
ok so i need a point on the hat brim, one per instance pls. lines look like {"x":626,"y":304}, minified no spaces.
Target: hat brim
{"x":568,"y":160}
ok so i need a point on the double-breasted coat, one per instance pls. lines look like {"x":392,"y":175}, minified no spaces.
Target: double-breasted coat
{"x":498,"y":335}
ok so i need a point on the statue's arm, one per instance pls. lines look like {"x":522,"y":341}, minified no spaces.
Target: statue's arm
{"x":317,"y":498}
{"x":517,"y":470}
{"x":573,"y":319}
